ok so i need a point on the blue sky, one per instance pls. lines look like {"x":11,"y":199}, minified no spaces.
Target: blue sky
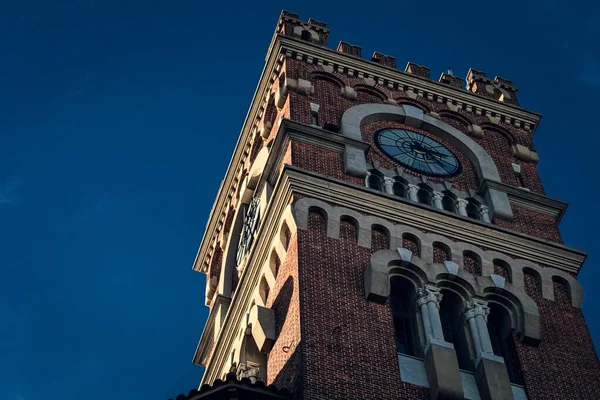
{"x":117,"y":122}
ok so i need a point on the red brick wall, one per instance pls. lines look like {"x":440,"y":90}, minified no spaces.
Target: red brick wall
{"x":283,"y":367}
{"x":565,"y":364}
{"x":348,"y":343}
{"x":317,"y":159}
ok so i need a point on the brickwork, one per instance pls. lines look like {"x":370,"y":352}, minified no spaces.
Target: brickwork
{"x":283,"y":368}
{"x":532,"y":223}
{"x":471,"y":264}
{"x":439,"y":254}
{"x":317,"y":159}
{"x":564,"y":365}
{"x":339,"y":347}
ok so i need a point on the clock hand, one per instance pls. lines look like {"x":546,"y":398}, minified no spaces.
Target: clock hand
{"x":435,"y":153}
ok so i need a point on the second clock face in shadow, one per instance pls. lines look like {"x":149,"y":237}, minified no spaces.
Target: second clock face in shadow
{"x":417,"y":152}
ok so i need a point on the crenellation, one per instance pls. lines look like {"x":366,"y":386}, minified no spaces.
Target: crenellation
{"x":452,"y":80}
{"x":347,"y":48}
{"x":384,"y":59}
{"x":417,"y":70}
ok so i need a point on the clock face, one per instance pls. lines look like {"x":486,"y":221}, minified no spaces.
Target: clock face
{"x":251,"y":221}
{"x":417,"y":152}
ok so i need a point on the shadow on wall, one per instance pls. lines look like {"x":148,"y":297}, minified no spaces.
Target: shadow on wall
{"x":289,"y":375}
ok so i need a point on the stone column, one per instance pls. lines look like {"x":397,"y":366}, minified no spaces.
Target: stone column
{"x":476,"y":317}
{"x":412,"y":192}
{"x":491,"y":375}
{"x":388,"y":185}
{"x":461,"y":207}
{"x":441,"y":363}
{"x":428,"y":301}
{"x":484,"y":211}
{"x":437,"y":200}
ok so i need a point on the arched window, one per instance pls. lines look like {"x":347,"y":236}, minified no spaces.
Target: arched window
{"x":399,"y":188}
{"x":305,"y":35}
{"x":424,"y":196}
{"x":453,"y":326}
{"x":375,"y":180}
{"x":402,"y":295}
{"x":499,"y":327}
{"x":473,"y":209}
{"x":449,"y":203}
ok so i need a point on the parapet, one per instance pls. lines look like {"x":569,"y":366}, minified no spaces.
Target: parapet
{"x":500,"y":89}
{"x":477,"y":82}
{"x":312,"y":31}
{"x":384,"y":59}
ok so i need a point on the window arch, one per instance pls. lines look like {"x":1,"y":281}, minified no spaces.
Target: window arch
{"x":412,"y":243}
{"x":402,"y":295}
{"x":375,"y":180}
{"x":449,"y":202}
{"x":472,"y":262}
{"x":424,"y":195}
{"x":441,"y":252}
{"x":473,"y":209}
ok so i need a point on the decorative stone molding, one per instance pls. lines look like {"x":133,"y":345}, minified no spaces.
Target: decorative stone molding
{"x":475,"y":131}
{"x":262,"y":321}
{"x":348,"y":93}
{"x":299,"y":85}
{"x":354,"y":117}
{"x":524,"y":154}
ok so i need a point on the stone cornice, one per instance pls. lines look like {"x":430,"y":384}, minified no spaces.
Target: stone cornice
{"x":530,"y":200}
{"x":430,"y":219}
{"x":401,"y":80}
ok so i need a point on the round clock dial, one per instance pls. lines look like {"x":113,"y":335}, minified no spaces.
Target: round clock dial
{"x":417,"y":152}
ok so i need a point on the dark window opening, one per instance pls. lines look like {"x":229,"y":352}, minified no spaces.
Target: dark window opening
{"x":305,"y":35}
{"x":399,"y":189}
{"x":401,"y":298}
{"x":472,"y":210}
{"x":424,"y":196}
{"x":375,"y":182}
{"x":448,"y":204}
{"x":500,"y":337}
{"x":520,"y":180}
{"x":451,"y":310}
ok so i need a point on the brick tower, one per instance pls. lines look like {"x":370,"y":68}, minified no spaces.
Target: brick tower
{"x":383,"y":235}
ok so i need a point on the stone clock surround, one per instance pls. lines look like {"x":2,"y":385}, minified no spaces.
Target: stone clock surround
{"x":355,"y":158}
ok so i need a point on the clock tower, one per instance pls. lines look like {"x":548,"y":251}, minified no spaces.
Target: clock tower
{"x":381,"y":234}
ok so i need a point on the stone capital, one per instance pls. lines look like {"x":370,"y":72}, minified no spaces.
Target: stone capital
{"x":428,"y":295}
{"x":462,"y":202}
{"x":477,"y":308}
{"x":438,"y":195}
{"x":413,"y":187}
